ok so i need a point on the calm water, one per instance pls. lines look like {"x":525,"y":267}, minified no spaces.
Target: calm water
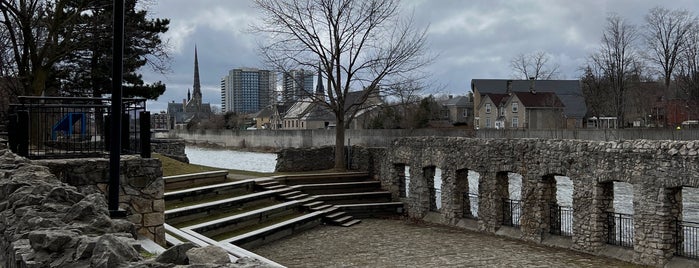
{"x":228,"y":159}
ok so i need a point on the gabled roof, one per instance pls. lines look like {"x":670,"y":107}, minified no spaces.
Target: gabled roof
{"x":539,"y":99}
{"x":568,"y":91}
{"x":497,"y":99}
{"x":299,"y":108}
{"x":461,"y":101}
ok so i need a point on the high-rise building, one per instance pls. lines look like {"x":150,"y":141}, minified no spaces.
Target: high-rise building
{"x":297,"y":84}
{"x":247,"y":90}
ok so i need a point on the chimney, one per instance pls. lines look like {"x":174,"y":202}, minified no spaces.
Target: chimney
{"x":508,"y":91}
{"x":531,"y":85}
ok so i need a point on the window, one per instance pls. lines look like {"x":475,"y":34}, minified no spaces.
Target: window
{"x":465,"y":112}
{"x":515,"y":122}
{"x":487,"y":108}
{"x":487,"y":122}
{"x":502,"y":110}
{"x":515,"y":107}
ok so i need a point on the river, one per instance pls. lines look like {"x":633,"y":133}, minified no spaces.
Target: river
{"x":229,"y":159}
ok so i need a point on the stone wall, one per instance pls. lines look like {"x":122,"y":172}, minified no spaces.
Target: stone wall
{"x":141,"y":193}
{"x":322,"y":158}
{"x":274,"y":140}
{"x":656,"y":169}
{"x":172,"y":148}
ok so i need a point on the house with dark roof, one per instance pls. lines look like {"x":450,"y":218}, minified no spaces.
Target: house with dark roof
{"x":521,"y":110}
{"x":568,"y":92}
{"x":458,"y":110}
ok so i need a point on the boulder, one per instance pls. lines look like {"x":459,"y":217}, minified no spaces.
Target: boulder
{"x":208,"y":255}
{"x":176,"y":254}
{"x":110,"y":251}
{"x":51,"y":240}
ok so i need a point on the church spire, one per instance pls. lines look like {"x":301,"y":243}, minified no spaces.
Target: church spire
{"x":197,"y":85}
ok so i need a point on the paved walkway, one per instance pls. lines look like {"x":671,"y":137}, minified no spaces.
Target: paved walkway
{"x":397,"y":243}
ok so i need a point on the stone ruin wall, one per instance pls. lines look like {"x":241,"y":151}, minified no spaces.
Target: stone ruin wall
{"x":141,"y":187}
{"x":322,"y":158}
{"x":656,"y":169}
{"x":172,"y":148}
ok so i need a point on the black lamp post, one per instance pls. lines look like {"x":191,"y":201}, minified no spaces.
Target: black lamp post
{"x":117,"y":76}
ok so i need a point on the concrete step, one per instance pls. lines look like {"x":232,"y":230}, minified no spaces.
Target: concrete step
{"x":195,"y":180}
{"x":222,"y":190}
{"x":298,"y":196}
{"x":274,"y":187}
{"x":350,"y":223}
{"x":290,"y":194}
{"x":321,"y":207}
{"x":210,"y":209}
{"x":339,"y":187}
{"x":246,"y":219}
{"x":343,"y":219}
{"x":336,"y":215}
{"x":323,"y":178}
{"x":356,"y":198}
{"x":314,"y":203}
{"x":271,"y":233}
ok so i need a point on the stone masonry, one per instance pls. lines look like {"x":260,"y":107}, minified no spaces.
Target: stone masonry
{"x":173,"y":148}
{"x":141,"y":191}
{"x":657,"y":170}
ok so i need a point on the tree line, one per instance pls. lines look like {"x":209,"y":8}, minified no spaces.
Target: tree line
{"x":64,"y":48}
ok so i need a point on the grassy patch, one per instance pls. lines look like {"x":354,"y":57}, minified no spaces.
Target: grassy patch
{"x":173,"y":167}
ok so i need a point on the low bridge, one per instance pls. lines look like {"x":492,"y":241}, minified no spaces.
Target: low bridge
{"x":653,"y":234}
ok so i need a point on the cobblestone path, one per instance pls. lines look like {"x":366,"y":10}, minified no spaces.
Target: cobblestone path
{"x":398,"y":243}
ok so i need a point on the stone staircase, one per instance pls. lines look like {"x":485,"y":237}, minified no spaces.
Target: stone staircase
{"x":253,"y":212}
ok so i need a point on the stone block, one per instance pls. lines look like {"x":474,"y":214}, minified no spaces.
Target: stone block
{"x":153,"y":219}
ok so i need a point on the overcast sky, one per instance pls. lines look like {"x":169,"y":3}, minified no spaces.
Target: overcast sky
{"x":474,"y":39}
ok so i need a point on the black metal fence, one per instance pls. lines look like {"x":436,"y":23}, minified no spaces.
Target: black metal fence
{"x":470,"y":205}
{"x":63,"y":127}
{"x":620,"y":229}
{"x":687,"y":239}
{"x":561,"y":220}
{"x":511,"y":212}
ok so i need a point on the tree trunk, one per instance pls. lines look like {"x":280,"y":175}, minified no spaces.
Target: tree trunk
{"x":340,"y":145}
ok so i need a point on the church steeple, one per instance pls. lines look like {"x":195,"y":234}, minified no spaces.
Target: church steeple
{"x":197,"y":86}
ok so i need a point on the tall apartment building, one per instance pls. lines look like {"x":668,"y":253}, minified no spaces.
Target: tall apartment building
{"x":297,"y":84}
{"x":247,"y":90}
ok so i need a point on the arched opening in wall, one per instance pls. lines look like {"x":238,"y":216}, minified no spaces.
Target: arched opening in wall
{"x":512,"y":206}
{"x":403,"y":178}
{"x":686,"y":227}
{"x":620,"y":229}
{"x":561,"y":208}
{"x":470,"y":194}
{"x":438,"y":188}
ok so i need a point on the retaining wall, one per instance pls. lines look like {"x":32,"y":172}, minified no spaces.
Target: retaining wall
{"x":141,"y":191}
{"x":173,"y":148}
{"x":280,"y":139}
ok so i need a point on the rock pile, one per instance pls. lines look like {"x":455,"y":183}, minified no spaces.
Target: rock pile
{"x":47,"y":223}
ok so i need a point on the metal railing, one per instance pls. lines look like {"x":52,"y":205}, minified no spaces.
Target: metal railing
{"x":687,"y":239}
{"x":470,"y":208}
{"x":69,"y":127}
{"x":511,"y":212}
{"x":561,"y":220}
{"x":620,"y":229}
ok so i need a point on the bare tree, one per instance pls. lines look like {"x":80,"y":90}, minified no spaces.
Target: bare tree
{"x":534,"y":65}
{"x":687,"y":75}
{"x":360,"y":45}
{"x":666,"y":33}
{"x":617,"y":59}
